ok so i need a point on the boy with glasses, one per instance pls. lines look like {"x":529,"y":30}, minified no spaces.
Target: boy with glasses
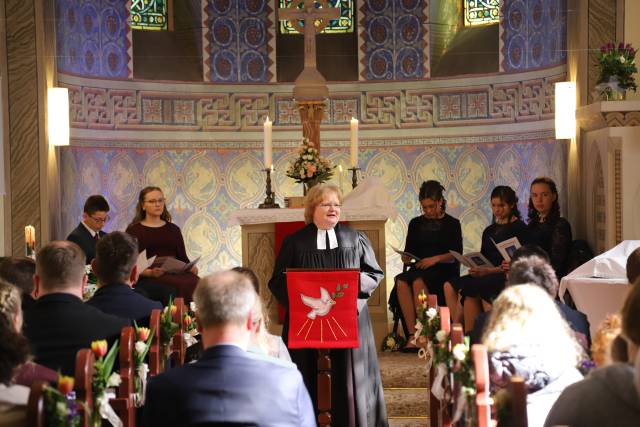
{"x":89,"y":231}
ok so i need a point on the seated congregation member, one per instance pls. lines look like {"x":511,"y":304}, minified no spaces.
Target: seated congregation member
{"x":607,"y":397}
{"x":59,"y":323}
{"x":547,"y":228}
{"x":228,"y":385}
{"x":19,"y":272}
{"x":11,"y":322}
{"x":89,"y":231}
{"x":261,"y":340}
{"x":485,"y":283}
{"x":527,"y":336}
{"x":430,"y":237}
{"x":116,"y":269}
{"x":157,"y":235}
{"x":633,"y":266}
{"x":535,"y":270}
{"x":608,"y":345}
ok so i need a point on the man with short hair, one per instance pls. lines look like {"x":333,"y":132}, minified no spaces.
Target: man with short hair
{"x":19,"y":271}
{"x":228,"y":385}
{"x":89,"y":231}
{"x":116,"y":269}
{"x":59,"y":324}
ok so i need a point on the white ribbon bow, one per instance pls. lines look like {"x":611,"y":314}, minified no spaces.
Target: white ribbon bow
{"x":106,"y":411}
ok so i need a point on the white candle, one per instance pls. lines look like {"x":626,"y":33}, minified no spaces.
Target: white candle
{"x":340,"y":177}
{"x":354,"y":142}
{"x":268,"y":160}
{"x":30,"y":236}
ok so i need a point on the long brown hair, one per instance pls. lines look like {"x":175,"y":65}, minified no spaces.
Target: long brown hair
{"x":140,"y":214}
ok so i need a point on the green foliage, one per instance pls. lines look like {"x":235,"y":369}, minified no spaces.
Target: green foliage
{"x":309,"y":168}
{"x":618,"y":62}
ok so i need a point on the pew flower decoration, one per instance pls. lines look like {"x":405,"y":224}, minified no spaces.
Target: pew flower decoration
{"x":309,"y":168}
{"x":168,"y":329}
{"x":144,"y":336}
{"x":92,"y":283}
{"x":103,"y":378}
{"x":60,"y":407}
{"x":617,"y":66}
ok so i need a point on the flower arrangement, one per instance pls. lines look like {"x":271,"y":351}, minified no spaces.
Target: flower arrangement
{"x":617,"y":66}
{"x":393,"y":342}
{"x":144,"y":336}
{"x":103,"y":378}
{"x":92,"y":283}
{"x":60,"y":405}
{"x":309,"y":168}
{"x":168,"y":327}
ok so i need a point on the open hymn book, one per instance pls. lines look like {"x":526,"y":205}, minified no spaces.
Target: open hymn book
{"x":472,"y":259}
{"x":167,"y":263}
{"x":408,"y":254}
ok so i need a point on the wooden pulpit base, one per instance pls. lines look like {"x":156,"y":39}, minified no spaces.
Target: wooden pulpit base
{"x":324,"y":388}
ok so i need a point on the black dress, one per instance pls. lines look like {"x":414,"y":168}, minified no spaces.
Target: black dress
{"x":431,"y":237}
{"x":489,"y":287}
{"x":554,"y":236}
{"x":356,"y":387}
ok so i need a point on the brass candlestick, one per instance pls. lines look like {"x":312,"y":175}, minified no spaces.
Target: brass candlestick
{"x":354,"y":177}
{"x":269,"y":200}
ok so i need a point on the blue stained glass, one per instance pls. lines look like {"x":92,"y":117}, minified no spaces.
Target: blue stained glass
{"x":149,"y":14}
{"x":344,"y":24}
{"x":481,"y":12}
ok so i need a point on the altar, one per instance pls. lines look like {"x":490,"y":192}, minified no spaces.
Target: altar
{"x":365,"y":209}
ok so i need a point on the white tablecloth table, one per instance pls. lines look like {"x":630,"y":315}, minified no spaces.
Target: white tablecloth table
{"x":596,"y":297}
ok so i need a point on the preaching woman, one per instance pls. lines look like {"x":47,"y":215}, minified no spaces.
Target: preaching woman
{"x":356,"y":388}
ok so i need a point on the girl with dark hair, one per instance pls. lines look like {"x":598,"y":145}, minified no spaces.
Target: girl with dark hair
{"x":548,"y":229}
{"x":157,"y":235}
{"x":430,"y":236}
{"x":485,"y":283}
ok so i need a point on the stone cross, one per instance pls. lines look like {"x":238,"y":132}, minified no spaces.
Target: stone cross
{"x":309,"y":14}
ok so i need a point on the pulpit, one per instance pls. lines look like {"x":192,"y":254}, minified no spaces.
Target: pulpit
{"x":259,"y":245}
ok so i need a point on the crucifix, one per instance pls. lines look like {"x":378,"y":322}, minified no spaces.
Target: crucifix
{"x":310,"y":88}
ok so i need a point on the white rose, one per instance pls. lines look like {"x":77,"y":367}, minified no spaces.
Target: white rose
{"x":192,"y":306}
{"x":622,"y":60}
{"x":441,"y":335}
{"x":459,"y":351}
{"x":114,"y":380}
{"x":431,"y":313}
{"x":140,"y":347}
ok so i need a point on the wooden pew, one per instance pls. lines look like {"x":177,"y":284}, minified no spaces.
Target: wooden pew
{"x":35,"y":405}
{"x":124,"y":404}
{"x":518,"y":396}
{"x":435,"y":406}
{"x":483,"y":397}
{"x":83,"y":381}
{"x":457,"y":337}
{"x":178,"y":348}
{"x":154,"y":350}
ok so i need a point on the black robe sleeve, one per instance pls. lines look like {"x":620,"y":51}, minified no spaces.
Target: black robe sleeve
{"x":560,"y":246}
{"x":278,"y":282}
{"x":370,"y":272}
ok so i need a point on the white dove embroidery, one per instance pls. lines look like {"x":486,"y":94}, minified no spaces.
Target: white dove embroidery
{"x":319,"y":306}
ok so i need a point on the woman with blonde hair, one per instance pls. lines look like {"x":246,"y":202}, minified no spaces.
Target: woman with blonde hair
{"x":324,"y":243}
{"x":528,"y":337}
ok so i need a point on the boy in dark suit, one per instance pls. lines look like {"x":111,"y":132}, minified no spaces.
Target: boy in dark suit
{"x":116,"y":269}
{"x":228,"y":386}
{"x":89,"y":231}
{"x":59,"y":323}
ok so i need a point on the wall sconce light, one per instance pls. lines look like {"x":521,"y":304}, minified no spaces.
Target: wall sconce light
{"x":565,"y":110}
{"x":58,"y":115}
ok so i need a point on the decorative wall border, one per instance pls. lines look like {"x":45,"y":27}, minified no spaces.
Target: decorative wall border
{"x":129,"y":40}
{"x":204,"y":108}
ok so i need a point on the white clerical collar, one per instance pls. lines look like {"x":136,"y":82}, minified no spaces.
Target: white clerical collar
{"x":89,"y":229}
{"x":322,"y":240}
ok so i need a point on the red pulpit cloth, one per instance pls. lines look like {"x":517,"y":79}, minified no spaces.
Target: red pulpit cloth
{"x":322,"y":308}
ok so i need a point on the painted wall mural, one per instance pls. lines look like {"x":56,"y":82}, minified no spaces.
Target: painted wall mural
{"x":203,"y":186}
{"x":93,"y":38}
{"x":533,"y":34}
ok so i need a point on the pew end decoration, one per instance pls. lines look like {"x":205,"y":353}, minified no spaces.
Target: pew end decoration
{"x":104,"y":378}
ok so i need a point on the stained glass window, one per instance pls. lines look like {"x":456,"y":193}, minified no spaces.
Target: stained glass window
{"x":344,"y":24}
{"x":481,"y":12}
{"x":149,"y":14}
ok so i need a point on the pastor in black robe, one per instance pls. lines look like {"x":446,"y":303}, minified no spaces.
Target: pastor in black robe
{"x":356,"y":388}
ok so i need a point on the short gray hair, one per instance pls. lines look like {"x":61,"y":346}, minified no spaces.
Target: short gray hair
{"x":224,"y":297}
{"x":536,"y":271}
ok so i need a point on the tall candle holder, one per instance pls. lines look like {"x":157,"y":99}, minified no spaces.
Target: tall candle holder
{"x":354,"y":177}
{"x":269,"y":200}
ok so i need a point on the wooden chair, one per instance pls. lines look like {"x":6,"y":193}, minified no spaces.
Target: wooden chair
{"x":124,"y":403}
{"x":518,"y":395}
{"x":154,"y":350}
{"x":83,"y":381}
{"x":178,"y":350}
{"x":483,"y":397}
{"x":35,"y":405}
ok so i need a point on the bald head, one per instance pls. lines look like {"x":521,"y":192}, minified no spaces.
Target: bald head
{"x":60,"y":266}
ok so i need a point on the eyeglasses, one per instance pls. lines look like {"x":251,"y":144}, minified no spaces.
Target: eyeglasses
{"x":101,"y":220}
{"x":330,"y":205}
{"x":155,"y":201}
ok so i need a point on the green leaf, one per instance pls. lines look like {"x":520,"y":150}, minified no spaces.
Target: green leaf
{"x":340,"y":295}
{"x":338,"y":287}
{"x":345,"y":286}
